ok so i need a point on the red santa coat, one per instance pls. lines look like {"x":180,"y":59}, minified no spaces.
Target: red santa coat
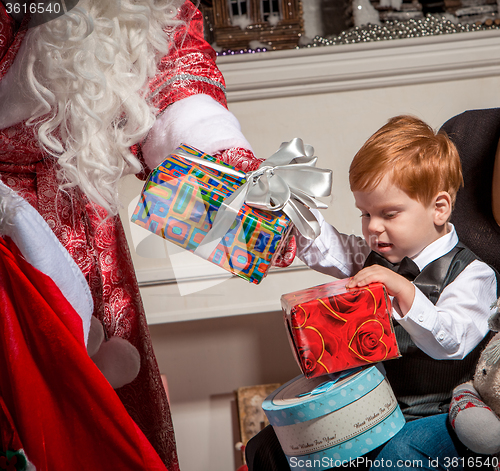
{"x":54,"y":403}
{"x":74,"y":396}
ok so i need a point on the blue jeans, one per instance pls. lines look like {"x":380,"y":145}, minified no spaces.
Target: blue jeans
{"x":426,"y":444}
{"x":423,"y":444}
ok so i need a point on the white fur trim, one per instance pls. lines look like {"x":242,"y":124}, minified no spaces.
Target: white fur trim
{"x":41,"y":248}
{"x":29,"y":465}
{"x":198,"y":121}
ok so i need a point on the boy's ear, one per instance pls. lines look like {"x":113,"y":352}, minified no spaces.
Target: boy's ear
{"x":442,"y":208}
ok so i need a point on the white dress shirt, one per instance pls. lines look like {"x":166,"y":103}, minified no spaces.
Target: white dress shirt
{"x":448,"y":330}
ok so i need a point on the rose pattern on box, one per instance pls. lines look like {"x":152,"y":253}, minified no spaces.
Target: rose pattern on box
{"x":180,"y":200}
{"x":332,"y":329}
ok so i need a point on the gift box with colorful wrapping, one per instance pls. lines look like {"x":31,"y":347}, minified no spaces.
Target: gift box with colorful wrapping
{"x":180,"y":200}
{"x":332,"y":328}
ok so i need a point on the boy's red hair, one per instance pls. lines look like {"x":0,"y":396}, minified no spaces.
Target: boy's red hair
{"x":416,"y":159}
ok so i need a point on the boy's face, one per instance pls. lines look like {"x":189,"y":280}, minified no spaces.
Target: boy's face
{"x":395,"y":225}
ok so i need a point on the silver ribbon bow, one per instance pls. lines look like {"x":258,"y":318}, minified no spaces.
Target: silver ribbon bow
{"x":287,"y":181}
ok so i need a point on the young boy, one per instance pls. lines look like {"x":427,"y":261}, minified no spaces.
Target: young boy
{"x":404,"y":180}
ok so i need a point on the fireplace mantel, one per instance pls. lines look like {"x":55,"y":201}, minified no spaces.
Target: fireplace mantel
{"x":359,"y":66}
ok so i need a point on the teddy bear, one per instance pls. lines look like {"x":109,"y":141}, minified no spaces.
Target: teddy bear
{"x":475,"y":409}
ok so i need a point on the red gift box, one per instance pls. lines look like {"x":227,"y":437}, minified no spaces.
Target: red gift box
{"x":332,"y":328}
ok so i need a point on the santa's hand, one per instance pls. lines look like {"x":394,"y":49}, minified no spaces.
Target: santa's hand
{"x":239,"y":158}
{"x":286,"y":254}
{"x":245,"y":160}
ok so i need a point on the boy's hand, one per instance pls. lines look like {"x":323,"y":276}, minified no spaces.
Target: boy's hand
{"x":396,"y":285}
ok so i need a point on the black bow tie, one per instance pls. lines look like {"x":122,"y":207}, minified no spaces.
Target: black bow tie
{"x":406,"y":267}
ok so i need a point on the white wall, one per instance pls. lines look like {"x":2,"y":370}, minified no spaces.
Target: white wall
{"x":206,"y":360}
{"x":337,"y":124}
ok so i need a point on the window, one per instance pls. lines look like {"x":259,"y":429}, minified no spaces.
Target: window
{"x":270,"y":8}
{"x":238,"y":8}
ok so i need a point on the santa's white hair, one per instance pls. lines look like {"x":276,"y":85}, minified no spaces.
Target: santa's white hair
{"x":88,"y":70}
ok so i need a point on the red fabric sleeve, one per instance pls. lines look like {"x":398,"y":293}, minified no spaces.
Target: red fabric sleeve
{"x":62,"y":408}
{"x":242,"y":159}
{"x":189,"y":68}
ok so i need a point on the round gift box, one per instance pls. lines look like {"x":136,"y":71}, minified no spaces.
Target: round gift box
{"x":327,"y":421}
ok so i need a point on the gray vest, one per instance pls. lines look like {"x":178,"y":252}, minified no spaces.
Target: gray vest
{"x":422,"y":384}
